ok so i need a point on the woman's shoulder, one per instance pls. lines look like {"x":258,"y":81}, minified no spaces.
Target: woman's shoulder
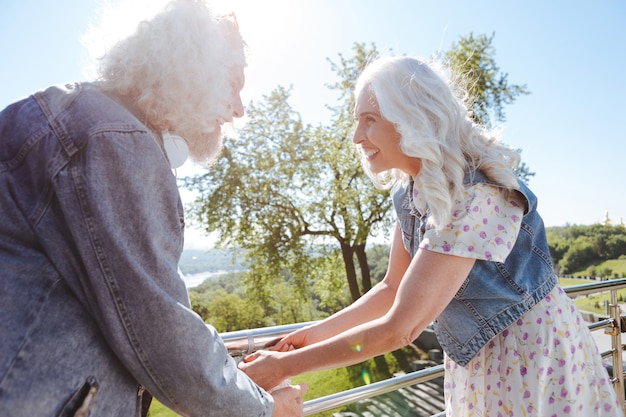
{"x":519,"y":194}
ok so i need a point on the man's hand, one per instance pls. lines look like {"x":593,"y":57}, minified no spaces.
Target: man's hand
{"x":264,"y":368}
{"x":288,"y":401}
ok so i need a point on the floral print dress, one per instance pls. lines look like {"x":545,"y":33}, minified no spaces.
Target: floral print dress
{"x":547,"y":363}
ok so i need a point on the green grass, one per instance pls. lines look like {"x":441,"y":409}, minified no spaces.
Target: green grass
{"x":159,"y":410}
{"x":594,"y":303}
{"x":325,"y":383}
{"x":617,"y":267}
{"x":566,"y":282}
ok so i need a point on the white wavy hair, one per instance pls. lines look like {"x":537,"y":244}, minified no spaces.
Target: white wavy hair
{"x":427,"y":109}
{"x":177,"y":70}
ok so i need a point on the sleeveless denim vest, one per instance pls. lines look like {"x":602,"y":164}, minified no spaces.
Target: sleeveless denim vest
{"x":495,"y":294}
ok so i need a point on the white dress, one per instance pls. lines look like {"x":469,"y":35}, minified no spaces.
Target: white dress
{"x":547,"y":363}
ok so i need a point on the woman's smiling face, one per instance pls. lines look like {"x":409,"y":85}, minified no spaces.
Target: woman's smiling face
{"x":378,"y":139}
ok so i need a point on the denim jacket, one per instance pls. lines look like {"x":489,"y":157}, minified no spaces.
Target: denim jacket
{"x":92,"y":308}
{"x":495,"y":294}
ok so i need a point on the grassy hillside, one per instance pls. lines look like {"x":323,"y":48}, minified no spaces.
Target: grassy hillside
{"x":614,"y":268}
{"x":594,"y":303}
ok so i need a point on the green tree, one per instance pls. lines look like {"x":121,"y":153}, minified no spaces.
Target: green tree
{"x":228,"y":313}
{"x":282,"y":190}
{"x":524,"y":172}
{"x":287,"y":192}
{"x":580,"y":254}
{"x":327,"y":283}
{"x":473,"y":60}
{"x":616,"y":245}
{"x":576,"y":247}
{"x":199,"y":304}
{"x":378,"y":256}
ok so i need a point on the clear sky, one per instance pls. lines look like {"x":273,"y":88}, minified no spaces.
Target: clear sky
{"x":571,"y":54}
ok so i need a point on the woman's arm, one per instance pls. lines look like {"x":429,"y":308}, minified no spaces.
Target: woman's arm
{"x":373,"y":304}
{"x":427,"y":286}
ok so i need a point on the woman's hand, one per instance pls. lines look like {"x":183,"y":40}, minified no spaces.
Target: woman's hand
{"x":293,"y":340}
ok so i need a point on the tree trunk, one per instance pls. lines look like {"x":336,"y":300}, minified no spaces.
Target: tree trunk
{"x":366,"y":279}
{"x":347,"y":253}
{"x":382,"y":367}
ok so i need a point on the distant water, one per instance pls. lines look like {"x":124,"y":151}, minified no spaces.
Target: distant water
{"x":193,"y":280}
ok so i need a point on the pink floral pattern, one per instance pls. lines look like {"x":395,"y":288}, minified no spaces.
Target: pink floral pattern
{"x":483,"y":226}
{"x":544,"y":365}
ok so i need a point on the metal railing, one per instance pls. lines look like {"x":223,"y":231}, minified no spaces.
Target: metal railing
{"x":247,"y":341}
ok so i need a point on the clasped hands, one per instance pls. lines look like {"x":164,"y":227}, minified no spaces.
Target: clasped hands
{"x":264,"y":367}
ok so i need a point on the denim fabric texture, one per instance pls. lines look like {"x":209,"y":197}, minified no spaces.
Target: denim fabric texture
{"x":92,"y":308}
{"x":495,"y":294}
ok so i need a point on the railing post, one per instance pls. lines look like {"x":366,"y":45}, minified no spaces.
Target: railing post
{"x":616,"y":345}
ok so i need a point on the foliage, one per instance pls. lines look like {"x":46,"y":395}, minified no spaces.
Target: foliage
{"x":282,"y":188}
{"x":326,"y":290}
{"x":575,"y":248}
{"x":325,"y":383}
{"x":328,"y":286}
{"x":612,"y":268}
{"x":524,"y":173}
{"x":205,"y":297}
{"x":230,"y":282}
{"x":229,"y":312}
{"x":473,"y":60}
{"x":222,"y":302}
{"x":378,"y":260}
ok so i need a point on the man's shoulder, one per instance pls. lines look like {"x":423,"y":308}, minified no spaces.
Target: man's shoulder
{"x":75,"y":98}
{"x":82,"y":109}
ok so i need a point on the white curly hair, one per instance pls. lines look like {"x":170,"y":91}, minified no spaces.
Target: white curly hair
{"x":177,"y":70}
{"x":428,"y":110}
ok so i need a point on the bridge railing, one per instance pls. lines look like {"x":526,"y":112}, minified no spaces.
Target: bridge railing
{"x":247,"y":341}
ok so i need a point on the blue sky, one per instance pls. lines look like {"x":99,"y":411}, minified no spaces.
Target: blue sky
{"x":570,"y":54}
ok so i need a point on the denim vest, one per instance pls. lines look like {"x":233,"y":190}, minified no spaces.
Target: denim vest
{"x":92,"y":308}
{"x":495,"y":294}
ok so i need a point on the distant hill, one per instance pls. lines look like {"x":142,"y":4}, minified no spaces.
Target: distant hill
{"x":612,"y":268}
{"x":194,"y":261}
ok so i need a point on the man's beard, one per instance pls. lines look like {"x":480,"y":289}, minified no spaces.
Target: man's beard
{"x":203,"y":147}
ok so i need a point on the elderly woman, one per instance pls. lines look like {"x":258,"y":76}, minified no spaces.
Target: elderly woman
{"x":92,"y":309}
{"x":469,"y":253}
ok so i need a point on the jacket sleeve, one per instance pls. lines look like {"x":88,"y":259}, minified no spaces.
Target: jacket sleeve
{"x":125,"y":218}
